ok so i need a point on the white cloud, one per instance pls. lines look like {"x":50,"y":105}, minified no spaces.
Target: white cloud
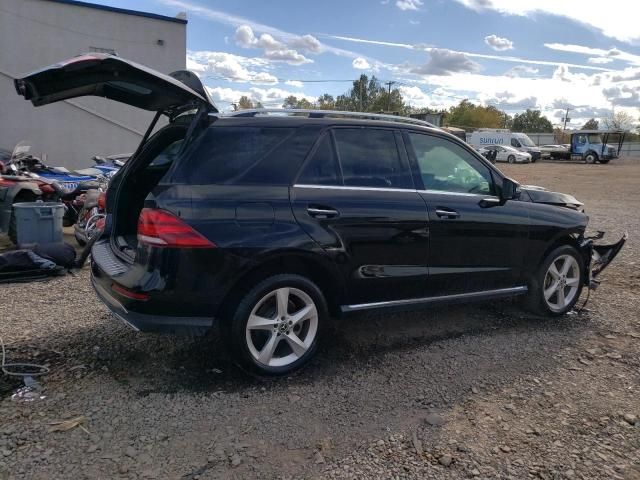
{"x":306,"y":42}
{"x":628,"y":74}
{"x":269,"y":97}
{"x":517,"y":93}
{"x":617,"y":19}
{"x":509,"y":102}
{"x":610,"y":54}
{"x":408,"y":4}
{"x":294,"y":83}
{"x":445,"y":62}
{"x":521,"y":70}
{"x":237,"y":21}
{"x":360,"y":64}
{"x":231,"y":67}
{"x":502,"y":58}
{"x":625,"y":95}
{"x":414,"y":22}
{"x":599,"y":60}
{"x":499,"y":44}
{"x":273,"y":49}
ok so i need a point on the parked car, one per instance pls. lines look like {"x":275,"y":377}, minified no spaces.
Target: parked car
{"x":264,"y":225}
{"x":555,"y":152}
{"x":506,"y":154}
{"x":504,"y":138}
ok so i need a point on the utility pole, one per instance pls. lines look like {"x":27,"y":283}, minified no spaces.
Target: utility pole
{"x":389,"y":97}
{"x":361,"y":92}
{"x":565,"y":120}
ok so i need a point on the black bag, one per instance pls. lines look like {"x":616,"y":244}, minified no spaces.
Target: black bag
{"x":62,"y":254}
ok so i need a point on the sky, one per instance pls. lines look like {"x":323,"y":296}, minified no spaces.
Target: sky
{"x":514,"y":54}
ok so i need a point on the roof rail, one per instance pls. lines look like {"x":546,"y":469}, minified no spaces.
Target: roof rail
{"x":331,"y":114}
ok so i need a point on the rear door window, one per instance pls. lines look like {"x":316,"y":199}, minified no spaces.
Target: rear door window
{"x":231,"y":155}
{"x":369,"y":158}
{"x":322,"y":167}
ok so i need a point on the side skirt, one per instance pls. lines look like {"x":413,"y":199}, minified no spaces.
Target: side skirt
{"x":459,"y":297}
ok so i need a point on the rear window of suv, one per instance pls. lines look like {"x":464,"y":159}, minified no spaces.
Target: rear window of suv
{"x":232,"y":155}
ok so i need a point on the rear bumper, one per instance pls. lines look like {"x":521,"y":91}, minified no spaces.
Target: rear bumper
{"x":151,"y":323}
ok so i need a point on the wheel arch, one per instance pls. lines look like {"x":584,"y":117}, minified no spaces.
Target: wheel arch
{"x":571,"y":239}
{"x":312,"y":266}
{"x":592,"y":152}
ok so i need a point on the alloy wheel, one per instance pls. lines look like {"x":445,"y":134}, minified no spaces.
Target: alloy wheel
{"x":281,"y":327}
{"x":561,"y":282}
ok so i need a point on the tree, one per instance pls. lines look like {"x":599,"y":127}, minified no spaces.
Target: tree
{"x":531,"y":121}
{"x":619,"y":120}
{"x":245,"y":103}
{"x":469,"y":115}
{"x":592,"y":124}
{"x":369,"y":95}
{"x":294,"y":102}
{"x":326,"y":102}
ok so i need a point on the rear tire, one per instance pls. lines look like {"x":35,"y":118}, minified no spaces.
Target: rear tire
{"x":275,"y":328}
{"x":556,"y":286}
{"x":511,"y":159}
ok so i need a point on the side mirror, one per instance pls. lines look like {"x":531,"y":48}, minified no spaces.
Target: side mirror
{"x":510,"y":190}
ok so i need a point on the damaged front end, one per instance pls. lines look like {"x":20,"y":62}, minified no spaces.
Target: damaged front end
{"x":599,"y":256}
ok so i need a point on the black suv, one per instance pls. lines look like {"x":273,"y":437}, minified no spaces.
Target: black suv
{"x":266,"y":224}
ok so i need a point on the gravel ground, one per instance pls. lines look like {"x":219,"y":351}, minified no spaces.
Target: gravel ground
{"x":476,"y":391}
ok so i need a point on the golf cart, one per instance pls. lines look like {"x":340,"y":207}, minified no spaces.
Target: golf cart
{"x":591,"y":146}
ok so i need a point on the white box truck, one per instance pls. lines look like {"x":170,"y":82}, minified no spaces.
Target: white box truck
{"x":502,"y":136}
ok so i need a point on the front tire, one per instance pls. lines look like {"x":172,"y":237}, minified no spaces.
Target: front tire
{"x":591,"y":158}
{"x":511,"y":159}
{"x":557,"y":284}
{"x":276,"y":326}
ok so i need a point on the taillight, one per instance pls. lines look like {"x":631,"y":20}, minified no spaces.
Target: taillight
{"x":125,"y":292}
{"x":163,"y":229}
{"x":102,"y":201}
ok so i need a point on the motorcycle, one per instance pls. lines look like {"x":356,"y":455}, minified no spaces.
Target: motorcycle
{"x":58,"y":183}
{"x":93,"y":210}
{"x":90,"y":214}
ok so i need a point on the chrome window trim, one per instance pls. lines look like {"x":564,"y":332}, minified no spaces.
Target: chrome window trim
{"x":413,"y":301}
{"x":345,"y":187}
{"x":382,"y":189}
{"x":463,"y":194}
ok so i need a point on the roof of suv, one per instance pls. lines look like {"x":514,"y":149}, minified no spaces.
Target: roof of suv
{"x":294,"y":121}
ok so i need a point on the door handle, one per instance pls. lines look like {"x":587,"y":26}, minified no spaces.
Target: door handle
{"x":322,"y":212}
{"x":446,"y":213}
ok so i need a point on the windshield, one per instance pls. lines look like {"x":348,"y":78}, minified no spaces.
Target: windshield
{"x":526,"y":141}
{"x":594,"y":138}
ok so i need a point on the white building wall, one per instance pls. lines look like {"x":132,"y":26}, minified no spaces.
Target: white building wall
{"x":36,"y":33}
